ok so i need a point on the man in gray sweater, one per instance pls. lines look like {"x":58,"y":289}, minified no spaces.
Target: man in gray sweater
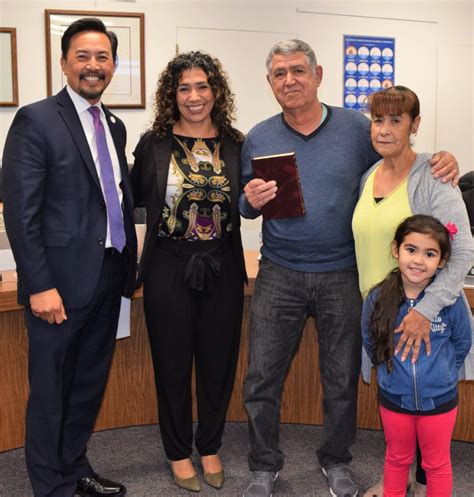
{"x":308,"y":265}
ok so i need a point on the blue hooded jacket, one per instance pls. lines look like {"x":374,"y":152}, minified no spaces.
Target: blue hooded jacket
{"x":432,"y":380}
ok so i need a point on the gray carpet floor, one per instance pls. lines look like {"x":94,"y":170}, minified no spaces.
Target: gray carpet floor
{"x":135,"y":457}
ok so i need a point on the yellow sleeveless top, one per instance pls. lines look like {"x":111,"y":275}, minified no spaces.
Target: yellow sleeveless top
{"x":373,"y":226}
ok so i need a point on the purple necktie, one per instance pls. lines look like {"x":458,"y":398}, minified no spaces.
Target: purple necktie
{"x":114,"y":211}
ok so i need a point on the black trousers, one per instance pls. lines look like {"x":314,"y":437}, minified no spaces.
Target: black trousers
{"x":186,"y":324}
{"x":68,"y":368}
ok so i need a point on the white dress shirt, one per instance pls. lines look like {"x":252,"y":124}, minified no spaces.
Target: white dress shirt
{"x":81,"y":105}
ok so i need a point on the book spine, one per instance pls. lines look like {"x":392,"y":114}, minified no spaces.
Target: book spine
{"x":300,"y":190}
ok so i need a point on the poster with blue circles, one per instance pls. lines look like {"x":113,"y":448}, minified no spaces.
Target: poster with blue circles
{"x":369,"y":66}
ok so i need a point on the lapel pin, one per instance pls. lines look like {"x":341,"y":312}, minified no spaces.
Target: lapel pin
{"x":112,"y":119}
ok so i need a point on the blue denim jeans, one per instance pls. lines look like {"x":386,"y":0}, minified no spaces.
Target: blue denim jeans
{"x":282,"y":302}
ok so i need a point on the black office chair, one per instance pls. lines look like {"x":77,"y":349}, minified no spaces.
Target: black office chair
{"x":466,"y":185}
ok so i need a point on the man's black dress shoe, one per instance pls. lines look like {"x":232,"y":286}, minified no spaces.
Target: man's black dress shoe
{"x":96,"y":486}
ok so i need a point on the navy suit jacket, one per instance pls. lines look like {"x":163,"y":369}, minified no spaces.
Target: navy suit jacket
{"x":54,"y":209}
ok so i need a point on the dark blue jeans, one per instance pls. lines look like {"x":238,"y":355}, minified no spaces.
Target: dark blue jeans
{"x":282,"y":302}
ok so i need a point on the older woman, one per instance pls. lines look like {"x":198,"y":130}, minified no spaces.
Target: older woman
{"x":398,"y":186}
{"x":186,"y":174}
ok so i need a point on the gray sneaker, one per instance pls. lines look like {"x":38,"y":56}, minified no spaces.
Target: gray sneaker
{"x":261,"y":484}
{"x":341,"y":481}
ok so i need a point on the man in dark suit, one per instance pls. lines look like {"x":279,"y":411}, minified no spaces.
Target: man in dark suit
{"x":69,"y":217}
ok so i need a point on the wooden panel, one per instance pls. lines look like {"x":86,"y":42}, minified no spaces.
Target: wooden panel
{"x":470,"y":296}
{"x":302,"y":392}
{"x":8,"y":297}
{"x":236,"y":411}
{"x":130,"y":397}
{"x":13,"y":379}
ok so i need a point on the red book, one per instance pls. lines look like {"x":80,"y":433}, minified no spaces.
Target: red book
{"x":289,"y":197}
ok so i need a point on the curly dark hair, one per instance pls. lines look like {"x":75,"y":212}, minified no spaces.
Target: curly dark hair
{"x":391,"y":293}
{"x":166,"y":108}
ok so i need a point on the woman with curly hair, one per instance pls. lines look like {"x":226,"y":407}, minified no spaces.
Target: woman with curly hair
{"x":186,"y":174}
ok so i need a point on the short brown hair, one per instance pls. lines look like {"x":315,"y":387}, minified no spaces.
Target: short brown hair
{"x":394,"y":101}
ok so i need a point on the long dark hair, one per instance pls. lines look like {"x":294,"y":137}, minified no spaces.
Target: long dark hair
{"x":391,"y":293}
{"x":166,"y":108}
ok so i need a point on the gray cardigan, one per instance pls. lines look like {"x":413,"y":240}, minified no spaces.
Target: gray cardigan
{"x":432,"y":197}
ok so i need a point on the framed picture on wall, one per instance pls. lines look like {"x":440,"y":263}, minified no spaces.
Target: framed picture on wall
{"x":9,"y":70}
{"x":127,"y":88}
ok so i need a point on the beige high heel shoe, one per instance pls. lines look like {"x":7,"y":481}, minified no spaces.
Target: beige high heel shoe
{"x":214,"y":479}
{"x":191,"y":483}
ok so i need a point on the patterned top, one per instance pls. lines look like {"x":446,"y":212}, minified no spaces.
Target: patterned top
{"x":197,"y":202}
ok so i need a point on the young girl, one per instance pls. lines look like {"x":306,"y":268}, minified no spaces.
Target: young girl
{"x":417,"y":400}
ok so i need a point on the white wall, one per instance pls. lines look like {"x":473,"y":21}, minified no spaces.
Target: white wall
{"x":434,"y":55}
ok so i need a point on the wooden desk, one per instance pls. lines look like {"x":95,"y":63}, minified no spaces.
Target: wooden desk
{"x":130,"y":396}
